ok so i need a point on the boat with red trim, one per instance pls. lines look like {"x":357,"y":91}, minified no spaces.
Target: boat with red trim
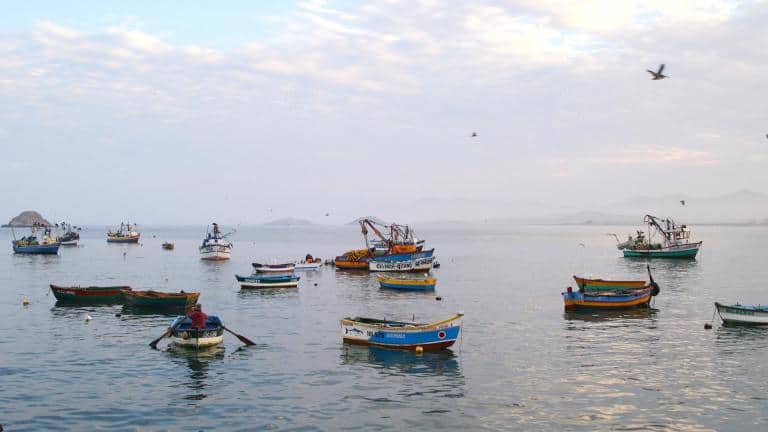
{"x":91,"y":294}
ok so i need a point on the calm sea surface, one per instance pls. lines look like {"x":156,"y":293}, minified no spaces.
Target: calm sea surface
{"x":522,"y":363}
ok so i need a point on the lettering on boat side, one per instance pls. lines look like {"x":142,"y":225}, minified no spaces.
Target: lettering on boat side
{"x":394,"y":335}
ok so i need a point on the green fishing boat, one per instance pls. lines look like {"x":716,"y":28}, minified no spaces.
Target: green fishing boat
{"x":90,"y":295}
{"x":161,"y":300}
{"x":675,"y":241}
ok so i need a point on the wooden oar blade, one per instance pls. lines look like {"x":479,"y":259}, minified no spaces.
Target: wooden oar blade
{"x":242,"y":338}
{"x":153,"y":344}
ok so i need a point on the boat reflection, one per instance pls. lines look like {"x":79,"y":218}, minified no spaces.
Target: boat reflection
{"x":198,"y":362}
{"x":148,"y":311}
{"x":610,"y":315}
{"x":398,"y":362}
{"x":268,"y":292}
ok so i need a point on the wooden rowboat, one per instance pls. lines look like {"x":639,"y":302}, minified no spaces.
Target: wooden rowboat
{"x":186,"y":336}
{"x":273,"y":268}
{"x":607,"y":285}
{"x":161,"y":300}
{"x":268,"y":281}
{"x":613,"y":299}
{"x":401,"y":335}
{"x":423,"y":284}
{"x":742,"y":314}
{"x":93,"y":294}
{"x":168,"y":246}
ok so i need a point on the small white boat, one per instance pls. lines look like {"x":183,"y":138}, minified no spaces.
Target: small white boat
{"x":273,"y":268}
{"x":742,"y":314}
{"x":215,"y":247}
{"x":309,"y":263}
{"x":268,"y":281}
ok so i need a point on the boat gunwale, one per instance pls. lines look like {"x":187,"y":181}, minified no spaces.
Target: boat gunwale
{"x":406,"y":326}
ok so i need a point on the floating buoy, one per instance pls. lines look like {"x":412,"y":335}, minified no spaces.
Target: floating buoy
{"x":118,"y":315}
{"x":438,"y":298}
{"x":25,"y":302}
{"x":419,"y":350}
{"x":88,"y":318}
{"x":315,"y":283}
{"x":707,"y":326}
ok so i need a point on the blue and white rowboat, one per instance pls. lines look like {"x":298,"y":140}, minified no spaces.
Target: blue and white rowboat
{"x":402,"y":335}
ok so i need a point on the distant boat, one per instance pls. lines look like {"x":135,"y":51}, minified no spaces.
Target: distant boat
{"x":125,"y":234}
{"x":420,"y":284}
{"x":268,"y":281}
{"x":92,"y":294}
{"x":168,"y":246}
{"x":71,"y":236}
{"x":309,"y":263}
{"x":401,"y":335}
{"x":273,"y":268}
{"x":742,"y":314}
{"x":47,"y":244}
{"x":186,"y":336}
{"x":161,"y":300}
{"x":215,"y":247}
{"x":675,"y":241}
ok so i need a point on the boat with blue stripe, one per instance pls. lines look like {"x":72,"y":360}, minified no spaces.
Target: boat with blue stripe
{"x":259,"y":280}
{"x":48,"y":244}
{"x":402,"y":335}
{"x":414,"y":284}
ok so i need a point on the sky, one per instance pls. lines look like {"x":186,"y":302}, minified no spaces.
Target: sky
{"x":172,"y":112}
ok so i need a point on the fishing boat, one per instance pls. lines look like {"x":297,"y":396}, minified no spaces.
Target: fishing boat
{"x":353,"y":260}
{"x":401,"y":335}
{"x":168,"y":246}
{"x":186,"y":336}
{"x":419,"y":284}
{"x":268,"y":281}
{"x":71,"y":235}
{"x":611,"y":297}
{"x":273,"y":268}
{"x":742,"y":314}
{"x":161,"y":300}
{"x":309,"y":263}
{"x":675,"y":241}
{"x":91,"y":294}
{"x":215,"y":247}
{"x":125,"y":234}
{"x":403,"y":262}
{"x":607,"y":285}
{"x":47,"y":244}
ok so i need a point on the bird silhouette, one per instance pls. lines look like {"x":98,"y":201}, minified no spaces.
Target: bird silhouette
{"x":658,"y":74}
{"x":474,"y":134}
{"x":682,"y":202}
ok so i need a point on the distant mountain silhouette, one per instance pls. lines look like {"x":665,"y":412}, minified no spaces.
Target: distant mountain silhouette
{"x":27,"y":219}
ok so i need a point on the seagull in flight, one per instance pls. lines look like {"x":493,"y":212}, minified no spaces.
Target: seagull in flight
{"x":658,"y":74}
{"x":682,"y":202}
{"x":474,"y":134}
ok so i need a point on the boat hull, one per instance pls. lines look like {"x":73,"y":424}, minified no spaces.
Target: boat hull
{"x":682,"y":251}
{"x":69,"y":242}
{"x":215,"y":253}
{"x":112,"y":294}
{"x":271,"y":281}
{"x":408,"y":284}
{"x":157,"y":300}
{"x":395,"y":335}
{"x":351,"y":265}
{"x":186,"y":336}
{"x":631,"y":299}
{"x":740,"y":314}
{"x":123,"y":239}
{"x":52,"y":249}
{"x":273,"y":268}
{"x":307,"y":266}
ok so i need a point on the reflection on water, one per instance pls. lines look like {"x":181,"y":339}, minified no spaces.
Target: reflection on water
{"x":198,"y":361}
{"x":396,"y":362}
{"x":609,"y":315}
{"x":245,"y":293}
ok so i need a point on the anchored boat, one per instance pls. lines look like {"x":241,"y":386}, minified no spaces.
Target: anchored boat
{"x":403,"y":262}
{"x":168,"y":246}
{"x":675,"y":241}
{"x":395,"y":249}
{"x":92,"y":294}
{"x":273,"y":268}
{"x":47,"y":244}
{"x":742,"y":314}
{"x":420,"y":284}
{"x":71,"y":235}
{"x":309,"y":263}
{"x":607,"y":285}
{"x":215,"y":247}
{"x":268,"y":281}
{"x":125,"y":234}
{"x":186,"y":336}
{"x":611,"y":297}
{"x":401,"y":335}
{"x":160,"y":300}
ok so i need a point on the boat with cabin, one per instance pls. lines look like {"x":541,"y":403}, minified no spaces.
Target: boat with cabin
{"x":394,"y":249}
{"x":675,"y":241}
{"x":742,"y":314}
{"x":184,"y":335}
{"x":412,"y":284}
{"x":168,"y":246}
{"x":71,"y":235}
{"x":90,"y":294}
{"x":127,"y":233}
{"x":36,"y":244}
{"x":215,"y":247}
{"x":400,"y":334}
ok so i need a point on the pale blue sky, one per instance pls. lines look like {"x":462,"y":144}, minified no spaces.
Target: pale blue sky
{"x":180,"y":112}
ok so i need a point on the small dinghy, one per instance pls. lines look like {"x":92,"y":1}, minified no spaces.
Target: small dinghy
{"x":268,"y":281}
{"x":309,"y":263}
{"x":273,"y":268}
{"x":168,"y":246}
{"x":93,"y":294}
{"x":413,"y":284}
{"x":186,"y":336}
{"x":402,"y":335}
{"x":742,"y":314}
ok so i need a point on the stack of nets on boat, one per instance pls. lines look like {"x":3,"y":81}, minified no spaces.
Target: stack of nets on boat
{"x":355,"y":255}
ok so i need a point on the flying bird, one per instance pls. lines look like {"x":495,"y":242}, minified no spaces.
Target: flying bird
{"x":474,"y":134}
{"x":658,"y":74}
{"x":682,"y":202}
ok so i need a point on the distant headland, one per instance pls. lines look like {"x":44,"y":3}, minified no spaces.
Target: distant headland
{"x":26,"y":219}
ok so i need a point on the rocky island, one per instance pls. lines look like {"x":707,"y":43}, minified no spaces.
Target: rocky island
{"x":26,"y":219}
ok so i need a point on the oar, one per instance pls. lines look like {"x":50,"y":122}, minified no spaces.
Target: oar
{"x":242,"y":338}
{"x":167,"y":333}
